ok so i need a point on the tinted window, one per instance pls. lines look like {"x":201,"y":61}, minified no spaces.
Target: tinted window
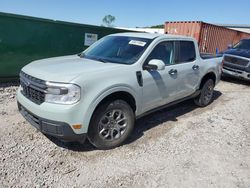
{"x":186,"y":51}
{"x":243,"y":44}
{"x":163,"y":51}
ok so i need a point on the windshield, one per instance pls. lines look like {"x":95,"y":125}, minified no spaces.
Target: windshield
{"x":117,"y":49}
{"x":243,"y":44}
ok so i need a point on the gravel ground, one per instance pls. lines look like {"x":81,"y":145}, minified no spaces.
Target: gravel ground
{"x":182,"y":146}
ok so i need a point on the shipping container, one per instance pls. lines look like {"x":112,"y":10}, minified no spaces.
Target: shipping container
{"x":211,"y":38}
{"x":24,"y":39}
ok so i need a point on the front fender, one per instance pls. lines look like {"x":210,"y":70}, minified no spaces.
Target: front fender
{"x":95,"y":101}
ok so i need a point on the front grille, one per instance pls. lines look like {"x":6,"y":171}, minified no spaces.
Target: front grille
{"x":233,"y":70}
{"x":33,"y":88}
{"x":233,"y":66}
{"x":237,"y":61}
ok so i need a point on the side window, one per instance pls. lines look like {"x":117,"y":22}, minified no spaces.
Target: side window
{"x":163,"y":51}
{"x":185,"y":52}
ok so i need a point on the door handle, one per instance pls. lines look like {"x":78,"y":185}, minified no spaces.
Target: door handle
{"x":172,"y":72}
{"x":195,"y":67}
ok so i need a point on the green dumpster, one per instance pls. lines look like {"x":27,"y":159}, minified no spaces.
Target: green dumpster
{"x":24,"y":39}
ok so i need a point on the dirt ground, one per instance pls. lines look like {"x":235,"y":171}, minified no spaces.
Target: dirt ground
{"x":181,"y":146}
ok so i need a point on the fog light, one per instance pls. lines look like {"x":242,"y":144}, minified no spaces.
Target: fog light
{"x":78,"y":126}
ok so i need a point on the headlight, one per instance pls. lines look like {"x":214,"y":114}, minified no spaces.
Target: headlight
{"x":62,"y":93}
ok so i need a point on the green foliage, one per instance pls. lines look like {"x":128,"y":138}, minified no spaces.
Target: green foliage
{"x":157,"y":26}
{"x":108,"y":20}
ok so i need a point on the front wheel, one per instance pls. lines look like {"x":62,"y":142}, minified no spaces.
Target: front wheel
{"x":111,"y":124}
{"x":206,"y":95}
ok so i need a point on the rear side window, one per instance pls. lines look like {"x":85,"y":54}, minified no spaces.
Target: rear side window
{"x":185,"y":52}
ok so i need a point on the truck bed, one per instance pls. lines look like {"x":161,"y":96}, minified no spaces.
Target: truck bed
{"x":209,"y":56}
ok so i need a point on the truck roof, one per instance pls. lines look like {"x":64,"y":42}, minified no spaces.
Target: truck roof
{"x":150,"y":35}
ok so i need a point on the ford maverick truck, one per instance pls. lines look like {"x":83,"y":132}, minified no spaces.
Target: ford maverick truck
{"x":99,"y":93}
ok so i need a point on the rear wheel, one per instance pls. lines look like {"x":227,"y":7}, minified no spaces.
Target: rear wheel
{"x":206,"y":94}
{"x":111,"y":124}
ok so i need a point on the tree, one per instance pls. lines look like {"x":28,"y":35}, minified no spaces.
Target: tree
{"x":108,"y":20}
{"x":157,"y":26}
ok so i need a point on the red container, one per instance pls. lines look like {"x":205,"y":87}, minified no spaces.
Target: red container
{"x":209,"y":37}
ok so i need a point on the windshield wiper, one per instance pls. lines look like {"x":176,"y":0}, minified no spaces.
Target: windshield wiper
{"x":81,"y":54}
{"x":94,"y":58}
{"x":102,"y":60}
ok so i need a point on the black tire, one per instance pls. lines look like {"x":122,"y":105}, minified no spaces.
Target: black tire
{"x":111,"y":124}
{"x":206,"y":95}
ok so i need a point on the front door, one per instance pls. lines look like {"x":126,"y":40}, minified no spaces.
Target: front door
{"x":159,"y":85}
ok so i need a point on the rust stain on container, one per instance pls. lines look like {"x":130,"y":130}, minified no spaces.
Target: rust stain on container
{"x":209,"y":37}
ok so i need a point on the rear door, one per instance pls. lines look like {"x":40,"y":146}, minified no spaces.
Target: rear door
{"x":187,"y":66}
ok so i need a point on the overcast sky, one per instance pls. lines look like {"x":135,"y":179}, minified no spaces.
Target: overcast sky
{"x":131,"y":13}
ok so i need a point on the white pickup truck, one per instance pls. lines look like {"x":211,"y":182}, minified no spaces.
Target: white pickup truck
{"x":99,"y":93}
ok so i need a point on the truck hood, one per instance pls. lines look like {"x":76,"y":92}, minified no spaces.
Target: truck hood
{"x":238,"y":52}
{"x":66,"y":68}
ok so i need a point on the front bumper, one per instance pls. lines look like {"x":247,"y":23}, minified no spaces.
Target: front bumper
{"x":236,"y":73}
{"x":53,"y":119}
{"x":56,"y":129}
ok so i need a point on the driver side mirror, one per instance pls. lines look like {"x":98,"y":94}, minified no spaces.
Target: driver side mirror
{"x":230,"y":46}
{"x":155,"y":64}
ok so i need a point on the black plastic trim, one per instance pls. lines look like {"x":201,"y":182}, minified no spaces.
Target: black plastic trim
{"x":139,"y":78}
{"x":56,"y":129}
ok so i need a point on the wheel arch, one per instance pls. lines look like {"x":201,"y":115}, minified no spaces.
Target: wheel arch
{"x":122,"y":95}
{"x":209,"y":75}
{"x":110,"y":96}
